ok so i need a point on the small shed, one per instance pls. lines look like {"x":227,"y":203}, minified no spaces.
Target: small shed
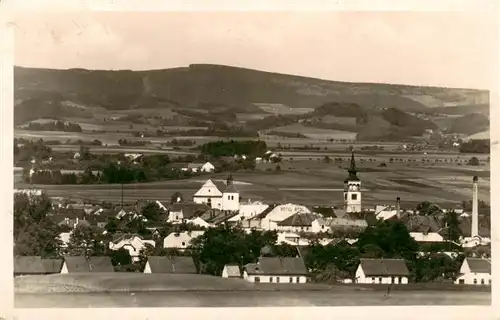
{"x":378,"y":271}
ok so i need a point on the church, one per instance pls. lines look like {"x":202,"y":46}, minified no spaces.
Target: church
{"x":219,"y":195}
{"x":352,"y":189}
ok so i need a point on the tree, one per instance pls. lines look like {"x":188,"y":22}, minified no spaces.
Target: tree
{"x":86,"y":241}
{"x":144,"y":253}
{"x":225,"y":245}
{"x":176,"y":197}
{"x":152,"y":211}
{"x":120,"y":257}
{"x":473,"y":161}
{"x":278,"y":168}
{"x":391,"y":237}
{"x":35,"y":234}
{"x":427,"y":208}
{"x":327,"y":159}
{"x":453,"y":232}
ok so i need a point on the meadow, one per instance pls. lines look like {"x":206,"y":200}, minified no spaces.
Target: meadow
{"x":309,"y":183}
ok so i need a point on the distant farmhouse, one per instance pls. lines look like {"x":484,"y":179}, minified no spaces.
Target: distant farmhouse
{"x":199,"y":167}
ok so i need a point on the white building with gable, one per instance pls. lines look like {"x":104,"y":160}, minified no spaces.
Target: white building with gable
{"x":218,"y":195}
{"x":280,"y":213}
{"x":475,"y":271}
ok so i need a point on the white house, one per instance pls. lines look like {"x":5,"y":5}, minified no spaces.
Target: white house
{"x":218,"y":195}
{"x":379,"y":271}
{"x":185,"y":212}
{"x":291,"y":238}
{"x":181,"y":240}
{"x":231,"y":271}
{"x":200,"y":222}
{"x":64,"y":237}
{"x":280,"y":213}
{"x":132,"y":243}
{"x":249,"y":210}
{"x":475,"y":271}
{"x":276,"y":270}
{"x":427,"y":236}
{"x":200,"y":167}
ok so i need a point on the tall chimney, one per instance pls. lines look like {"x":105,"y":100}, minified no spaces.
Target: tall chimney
{"x":475,"y":224}
{"x":398,"y":207}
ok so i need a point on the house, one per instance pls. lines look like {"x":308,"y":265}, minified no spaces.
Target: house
{"x":475,"y":271}
{"x":199,"y":167}
{"x":297,"y":222}
{"x":64,"y":237}
{"x":218,"y":195}
{"x":81,"y":264}
{"x":73,"y":223}
{"x":249,"y":210}
{"x":276,"y":270}
{"x":427,"y":237}
{"x":291,"y":238}
{"x":134,"y":157}
{"x":130,"y":242}
{"x":269,"y":219}
{"x":181,"y":240}
{"x":52,"y":265}
{"x":182,"y":212}
{"x":170,"y":264}
{"x":387,"y":271}
{"x":28,"y":265}
{"x":231,"y":271}
{"x":198,"y":221}
{"x":346,"y":223}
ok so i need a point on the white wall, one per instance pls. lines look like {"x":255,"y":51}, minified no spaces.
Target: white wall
{"x":231,"y":201}
{"x":293,"y":228}
{"x":469,"y":278}
{"x":147,"y":268}
{"x":267,"y":278}
{"x":353,"y":188}
{"x":207,"y":167}
{"x":64,"y":268}
{"x":216,"y":202}
{"x":429,"y":237}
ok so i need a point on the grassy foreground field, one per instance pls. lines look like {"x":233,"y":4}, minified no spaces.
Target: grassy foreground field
{"x":309,"y":183}
{"x":164,"y":290}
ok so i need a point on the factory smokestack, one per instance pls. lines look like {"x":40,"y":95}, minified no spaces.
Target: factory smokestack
{"x":475,"y":209}
{"x":398,"y":207}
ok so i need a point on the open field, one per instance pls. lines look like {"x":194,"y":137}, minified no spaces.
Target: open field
{"x":309,"y":183}
{"x":248,"y":299}
{"x":168,"y":290}
{"x":316,"y":133}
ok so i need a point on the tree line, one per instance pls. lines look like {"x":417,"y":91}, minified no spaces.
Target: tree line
{"x":55,"y":126}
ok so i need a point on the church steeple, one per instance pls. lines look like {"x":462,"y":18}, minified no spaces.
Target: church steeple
{"x":352,"y":169}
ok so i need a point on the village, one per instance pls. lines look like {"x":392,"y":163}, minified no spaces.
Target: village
{"x":140,"y":232}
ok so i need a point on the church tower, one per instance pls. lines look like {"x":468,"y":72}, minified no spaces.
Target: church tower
{"x":352,"y":189}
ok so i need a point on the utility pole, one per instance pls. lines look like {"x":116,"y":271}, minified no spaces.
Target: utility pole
{"x":122,"y":195}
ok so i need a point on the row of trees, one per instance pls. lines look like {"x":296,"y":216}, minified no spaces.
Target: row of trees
{"x":230,"y":148}
{"x":55,"y":126}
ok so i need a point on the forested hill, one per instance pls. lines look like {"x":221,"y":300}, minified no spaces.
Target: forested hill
{"x":199,"y":86}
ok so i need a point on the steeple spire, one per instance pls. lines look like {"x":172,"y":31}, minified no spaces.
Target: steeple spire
{"x":352,"y":168}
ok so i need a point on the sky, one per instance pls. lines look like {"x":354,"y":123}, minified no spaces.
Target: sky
{"x":453,"y":49}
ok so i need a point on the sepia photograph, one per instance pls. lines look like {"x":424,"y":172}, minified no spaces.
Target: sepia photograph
{"x":252,"y":158}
